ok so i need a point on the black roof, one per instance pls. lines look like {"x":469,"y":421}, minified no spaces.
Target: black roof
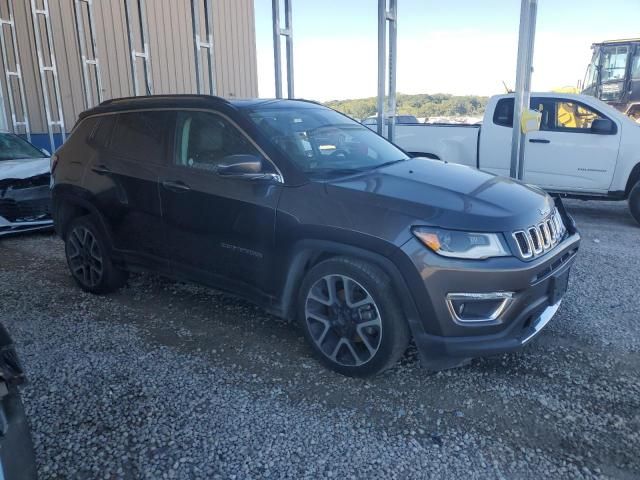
{"x":189,"y":101}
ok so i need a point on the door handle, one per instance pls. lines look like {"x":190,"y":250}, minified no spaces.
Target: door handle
{"x":101,"y":170}
{"x":176,"y":186}
{"x":539,"y":140}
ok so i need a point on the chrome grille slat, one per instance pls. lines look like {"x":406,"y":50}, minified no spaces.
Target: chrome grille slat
{"x":539,"y":239}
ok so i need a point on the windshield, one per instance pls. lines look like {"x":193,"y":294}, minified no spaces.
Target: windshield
{"x":614,"y":63}
{"x":13,"y":147}
{"x":321,"y":141}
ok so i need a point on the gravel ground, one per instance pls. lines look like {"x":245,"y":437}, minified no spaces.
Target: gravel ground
{"x":166,"y":380}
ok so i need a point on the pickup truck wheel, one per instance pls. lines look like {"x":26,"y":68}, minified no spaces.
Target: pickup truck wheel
{"x":351,"y":318}
{"x":634,"y":201}
{"x":89,"y":259}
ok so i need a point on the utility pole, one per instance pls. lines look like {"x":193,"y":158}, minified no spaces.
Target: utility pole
{"x":387,"y":56}
{"x":524,"y":68}
{"x":286,"y":32}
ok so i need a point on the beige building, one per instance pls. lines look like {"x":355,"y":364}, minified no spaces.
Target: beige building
{"x":117,"y":34}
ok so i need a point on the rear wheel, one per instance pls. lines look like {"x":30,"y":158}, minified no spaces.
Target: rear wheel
{"x":351,"y":318}
{"x":634,"y":201}
{"x":89,"y":259}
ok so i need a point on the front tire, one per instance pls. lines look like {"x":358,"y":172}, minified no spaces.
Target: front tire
{"x":89,"y":258}
{"x":634,"y":201}
{"x":351,"y":318}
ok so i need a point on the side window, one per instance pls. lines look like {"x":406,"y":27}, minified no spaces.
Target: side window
{"x":635,"y":67}
{"x":141,"y":135}
{"x":204,"y":140}
{"x":547,"y":108}
{"x":503,"y":114}
{"x":574,"y":116}
{"x":83,"y":131}
{"x":101,"y":135}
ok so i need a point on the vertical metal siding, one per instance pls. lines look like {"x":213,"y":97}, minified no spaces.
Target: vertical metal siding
{"x":170,"y":44}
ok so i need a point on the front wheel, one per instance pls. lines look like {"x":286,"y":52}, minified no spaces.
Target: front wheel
{"x":351,"y":318}
{"x":634,"y":201}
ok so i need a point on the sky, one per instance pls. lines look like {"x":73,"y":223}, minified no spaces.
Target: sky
{"x":458,"y":46}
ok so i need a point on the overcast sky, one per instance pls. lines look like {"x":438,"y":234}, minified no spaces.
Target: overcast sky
{"x":456,"y":46}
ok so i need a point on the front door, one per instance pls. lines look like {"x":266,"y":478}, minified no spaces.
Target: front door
{"x":219,"y":229}
{"x":565,"y":155}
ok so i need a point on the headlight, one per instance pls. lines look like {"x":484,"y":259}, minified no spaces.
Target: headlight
{"x":452,"y":243}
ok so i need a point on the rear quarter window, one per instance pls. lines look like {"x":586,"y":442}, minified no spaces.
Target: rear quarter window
{"x":503,"y":114}
{"x":82,"y":132}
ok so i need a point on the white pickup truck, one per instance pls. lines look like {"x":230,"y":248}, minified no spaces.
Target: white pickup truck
{"x":584,"y":149}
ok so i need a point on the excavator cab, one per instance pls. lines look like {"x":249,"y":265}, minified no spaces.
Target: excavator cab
{"x":613,"y":75}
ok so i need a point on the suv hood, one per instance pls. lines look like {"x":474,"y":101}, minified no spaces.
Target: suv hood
{"x":448,"y":195}
{"x":23,"y":168}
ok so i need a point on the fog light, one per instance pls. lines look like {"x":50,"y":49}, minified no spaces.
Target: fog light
{"x":473,"y":308}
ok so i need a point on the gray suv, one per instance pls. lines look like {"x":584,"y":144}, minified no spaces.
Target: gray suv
{"x":313,"y":216}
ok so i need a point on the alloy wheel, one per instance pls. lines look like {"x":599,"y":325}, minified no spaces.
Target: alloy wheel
{"x":84,"y":256}
{"x":343,"y":320}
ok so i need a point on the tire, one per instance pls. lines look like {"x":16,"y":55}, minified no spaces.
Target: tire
{"x":89,"y":258}
{"x":634,"y":201}
{"x":358,"y":334}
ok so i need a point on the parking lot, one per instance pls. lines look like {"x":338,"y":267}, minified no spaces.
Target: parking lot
{"x":167,"y":380}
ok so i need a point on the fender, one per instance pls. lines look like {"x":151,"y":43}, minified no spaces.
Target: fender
{"x":307,"y":253}
{"x":634,"y":177}
{"x":63,"y":194}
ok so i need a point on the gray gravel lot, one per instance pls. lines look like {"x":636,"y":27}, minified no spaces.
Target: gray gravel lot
{"x":166,"y":380}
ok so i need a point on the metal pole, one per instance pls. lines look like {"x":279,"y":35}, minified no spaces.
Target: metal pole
{"x":141,"y":10}
{"x":289,"y":47}
{"x":277,"y":50}
{"x":88,"y":53}
{"x":524,"y":68}
{"x":393,"y":42}
{"x":277,"y":56}
{"x":198,"y":44}
{"x":382,"y":48}
{"x":15,"y":73}
{"x":387,"y":59}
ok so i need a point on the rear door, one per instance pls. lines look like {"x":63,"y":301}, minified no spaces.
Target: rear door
{"x":219,"y":230}
{"x":565,"y":155}
{"x":124,"y":179}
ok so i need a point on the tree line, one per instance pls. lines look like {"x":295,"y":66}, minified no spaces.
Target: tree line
{"x":419,"y":105}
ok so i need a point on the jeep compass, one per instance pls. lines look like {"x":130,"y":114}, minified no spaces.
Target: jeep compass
{"x":315,"y":217}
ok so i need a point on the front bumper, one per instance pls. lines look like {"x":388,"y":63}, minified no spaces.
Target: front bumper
{"x":443,"y":342}
{"x":25,"y":210}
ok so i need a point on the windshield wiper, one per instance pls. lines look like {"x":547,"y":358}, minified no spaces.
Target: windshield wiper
{"x":385,"y":164}
{"x":333,"y":171}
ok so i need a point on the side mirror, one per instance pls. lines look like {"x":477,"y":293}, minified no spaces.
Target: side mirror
{"x":603,"y":126}
{"x":239,"y":165}
{"x":248,"y":167}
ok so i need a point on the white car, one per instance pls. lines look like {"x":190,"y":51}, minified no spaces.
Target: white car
{"x":25,"y":195}
{"x":584,"y":149}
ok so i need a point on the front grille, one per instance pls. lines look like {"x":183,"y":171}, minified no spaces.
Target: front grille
{"x":538,"y":239}
{"x":25,"y":210}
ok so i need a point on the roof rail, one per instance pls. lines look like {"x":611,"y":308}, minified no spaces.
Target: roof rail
{"x":111,"y":101}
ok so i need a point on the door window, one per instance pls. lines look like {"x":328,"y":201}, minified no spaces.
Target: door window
{"x":614,"y":63}
{"x":635,"y":68}
{"x":205,"y":140}
{"x":141,"y":135}
{"x":574,"y":117}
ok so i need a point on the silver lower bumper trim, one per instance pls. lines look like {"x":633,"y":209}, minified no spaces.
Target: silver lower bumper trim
{"x":545,"y":318}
